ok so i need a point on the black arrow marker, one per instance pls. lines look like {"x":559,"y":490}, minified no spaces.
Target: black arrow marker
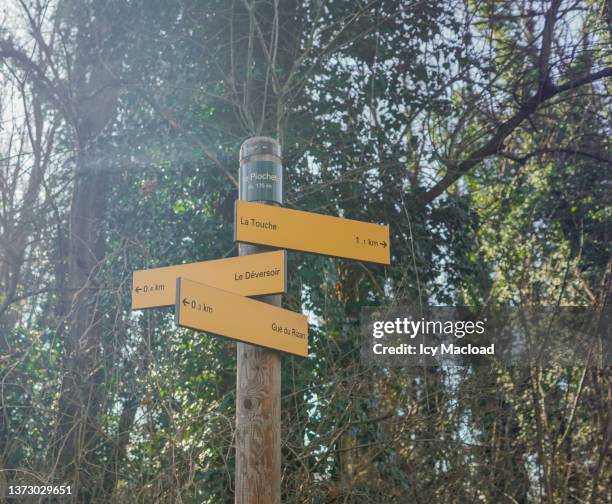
{"x":384,"y":244}
{"x":185,"y":302}
{"x":138,"y":289}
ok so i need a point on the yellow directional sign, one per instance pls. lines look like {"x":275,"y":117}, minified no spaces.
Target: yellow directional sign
{"x":309,"y":232}
{"x":252,"y":275}
{"x":207,"y":308}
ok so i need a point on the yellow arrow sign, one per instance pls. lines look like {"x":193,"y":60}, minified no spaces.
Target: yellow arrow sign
{"x":207,"y":308}
{"x":252,"y":275}
{"x":309,"y":232}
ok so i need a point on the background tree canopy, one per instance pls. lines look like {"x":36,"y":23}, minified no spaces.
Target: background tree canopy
{"x":480,"y":131}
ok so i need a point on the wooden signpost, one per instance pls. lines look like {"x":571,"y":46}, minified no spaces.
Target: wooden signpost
{"x":253,"y":275}
{"x":211,"y":296}
{"x":310,"y":232}
{"x":207,"y":308}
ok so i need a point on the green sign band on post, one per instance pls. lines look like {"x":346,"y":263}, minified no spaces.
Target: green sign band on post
{"x":262,"y":180}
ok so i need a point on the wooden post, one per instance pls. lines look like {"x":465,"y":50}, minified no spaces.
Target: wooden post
{"x":258,"y":381}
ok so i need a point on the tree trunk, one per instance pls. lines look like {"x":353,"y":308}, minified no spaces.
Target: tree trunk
{"x":95,"y":107}
{"x":78,"y":403}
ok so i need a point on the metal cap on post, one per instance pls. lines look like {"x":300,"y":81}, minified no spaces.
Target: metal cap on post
{"x":258,"y":380}
{"x":260,"y":145}
{"x":261,"y":170}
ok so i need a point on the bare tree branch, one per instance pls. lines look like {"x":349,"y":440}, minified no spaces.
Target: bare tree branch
{"x":495,"y":144}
